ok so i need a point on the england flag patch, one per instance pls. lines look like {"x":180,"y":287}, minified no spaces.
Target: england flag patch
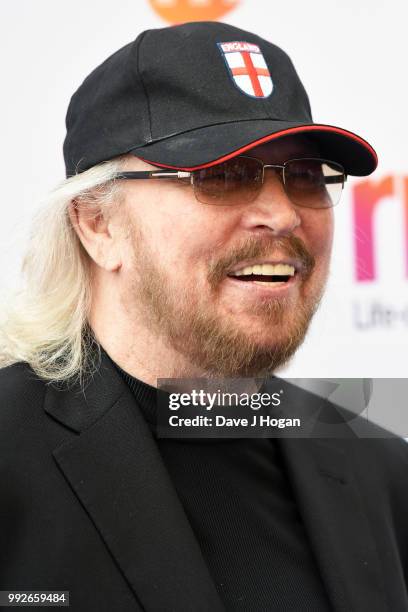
{"x":247,"y":68}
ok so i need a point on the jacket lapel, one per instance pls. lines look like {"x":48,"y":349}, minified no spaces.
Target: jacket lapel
{"x":322,"y":477}
{"x":114,"y":467}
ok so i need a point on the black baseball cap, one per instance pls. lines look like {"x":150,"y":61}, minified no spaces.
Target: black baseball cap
{"x":194,"y":95}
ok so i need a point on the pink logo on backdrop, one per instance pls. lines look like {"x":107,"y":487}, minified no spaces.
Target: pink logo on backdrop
{"x":367,"y":196}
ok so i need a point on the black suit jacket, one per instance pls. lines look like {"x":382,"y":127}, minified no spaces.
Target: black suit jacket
{"x":87,"y":505}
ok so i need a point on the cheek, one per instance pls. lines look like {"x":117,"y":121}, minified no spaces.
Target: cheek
{"x":318,"y":226}
{"x":183,"y":238}
{"x":185,"y":228}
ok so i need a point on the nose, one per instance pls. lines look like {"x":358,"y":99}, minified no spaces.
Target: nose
{"x":272,"y":209}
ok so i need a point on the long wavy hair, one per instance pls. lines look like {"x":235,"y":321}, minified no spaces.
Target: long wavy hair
{"x":44,"y":322}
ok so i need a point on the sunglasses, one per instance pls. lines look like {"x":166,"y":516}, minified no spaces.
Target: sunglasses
{"x":308,"y":182}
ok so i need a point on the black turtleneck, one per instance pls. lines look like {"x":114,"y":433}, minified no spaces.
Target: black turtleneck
{"x":238,"y":499}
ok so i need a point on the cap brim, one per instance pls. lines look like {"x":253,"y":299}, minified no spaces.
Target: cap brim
{"x":210,"y":145}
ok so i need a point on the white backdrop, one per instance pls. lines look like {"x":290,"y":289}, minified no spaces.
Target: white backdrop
{"x":351,"y":57}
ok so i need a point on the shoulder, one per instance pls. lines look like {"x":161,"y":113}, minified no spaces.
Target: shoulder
{"x":378,"y":439}
{"x":21,"y":395}
{"x":388,"y":455}
{"x":376,"y":452}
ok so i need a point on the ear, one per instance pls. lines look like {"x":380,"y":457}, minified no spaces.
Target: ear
{"x":98,"y":235}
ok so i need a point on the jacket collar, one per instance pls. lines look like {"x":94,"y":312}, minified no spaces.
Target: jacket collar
{"x":115,"y":469}
{"x":112,"y":463}
{"x":330,"y":505}
{"x":324,"y":483}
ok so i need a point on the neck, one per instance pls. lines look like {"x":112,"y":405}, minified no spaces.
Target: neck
{"x":132,"y":345}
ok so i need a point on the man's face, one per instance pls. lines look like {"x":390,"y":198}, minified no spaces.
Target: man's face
{"x":175,"y":275}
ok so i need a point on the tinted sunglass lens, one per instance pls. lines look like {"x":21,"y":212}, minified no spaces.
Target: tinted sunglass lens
{"x":236,"y":181}
{"x":314,"y":183}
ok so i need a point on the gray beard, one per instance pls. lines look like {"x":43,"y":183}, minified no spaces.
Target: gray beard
{"x":211,"y":342}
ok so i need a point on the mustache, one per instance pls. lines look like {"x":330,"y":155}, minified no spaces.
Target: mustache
{"x":263,"y":248}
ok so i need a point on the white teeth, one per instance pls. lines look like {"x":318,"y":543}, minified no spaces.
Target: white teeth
{"x":267,"y":269}
{"x":269,"y":284}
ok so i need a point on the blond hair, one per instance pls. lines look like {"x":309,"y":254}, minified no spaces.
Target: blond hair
{"x":45,"y":321}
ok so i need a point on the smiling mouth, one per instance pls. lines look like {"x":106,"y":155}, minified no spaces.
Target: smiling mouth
{"x":265,"y":274}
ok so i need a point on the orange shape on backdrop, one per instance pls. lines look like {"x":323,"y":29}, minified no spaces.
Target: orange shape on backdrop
{"x":180,"y":11}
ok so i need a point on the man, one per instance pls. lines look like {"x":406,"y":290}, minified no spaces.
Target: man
{"x":192,"y":238}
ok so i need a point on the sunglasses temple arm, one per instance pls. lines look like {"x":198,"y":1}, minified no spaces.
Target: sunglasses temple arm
{"x":147,"y":174}
{"x":335,"y":179}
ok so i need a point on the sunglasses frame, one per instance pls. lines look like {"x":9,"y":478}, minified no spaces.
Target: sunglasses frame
{"x":183,"y":175}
